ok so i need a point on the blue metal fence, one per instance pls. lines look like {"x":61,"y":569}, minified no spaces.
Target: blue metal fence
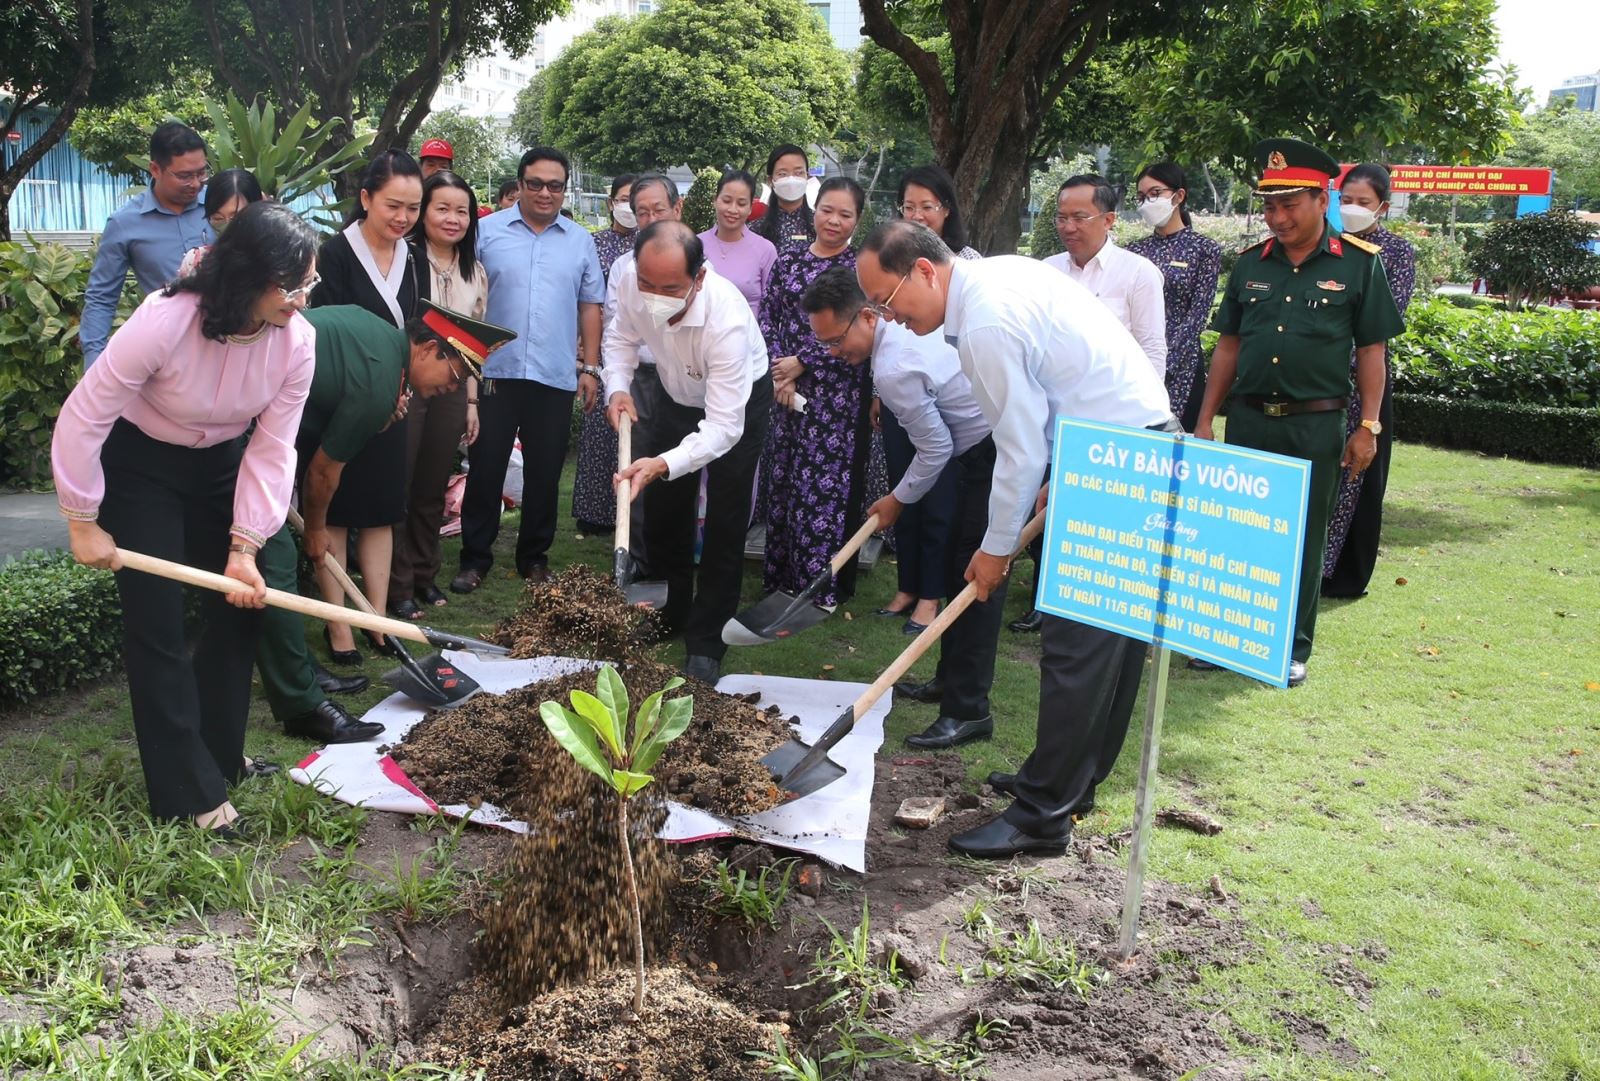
{"x":63,"y":192}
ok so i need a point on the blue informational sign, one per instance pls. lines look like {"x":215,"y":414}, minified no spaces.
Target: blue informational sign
{"x":1179,"y":541}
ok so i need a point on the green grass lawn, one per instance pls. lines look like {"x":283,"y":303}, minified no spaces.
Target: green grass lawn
{"x":1413,"y":837}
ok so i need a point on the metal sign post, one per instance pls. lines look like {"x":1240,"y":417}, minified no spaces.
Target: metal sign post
{"x":1144,"y":803}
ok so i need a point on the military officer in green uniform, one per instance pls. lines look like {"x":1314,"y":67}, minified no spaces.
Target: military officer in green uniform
{"x":367,"y":368}
{"x":1293,"y":307}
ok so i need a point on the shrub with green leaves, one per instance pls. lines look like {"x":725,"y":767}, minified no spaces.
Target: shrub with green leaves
{"x":596,"y":733}
{"x":1538,"y":358}
{"x":61,"y":623}
{"x":1534,"y":433}
{"x":1537,"y":256}
{"x":700,"y":202}
{"x":41,"y":298}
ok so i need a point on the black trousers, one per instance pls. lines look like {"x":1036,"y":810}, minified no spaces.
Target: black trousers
{"x":1359,"y":556}
{"x":922,"y":534}
{"x":189,"y":710}
{"x":966,"y":653}
{"x":670,"y":521}
{"x":1088,"y":680}
{"x":542,"y":416}
{"x":433,"y":431}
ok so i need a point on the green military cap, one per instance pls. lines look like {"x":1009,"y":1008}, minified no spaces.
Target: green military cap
{"x":1289,"y":165}
{"x":472,"y":338}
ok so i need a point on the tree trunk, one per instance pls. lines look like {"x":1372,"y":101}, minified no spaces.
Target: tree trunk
{"x":83,"y":44}
{"x":1216,"y":200}
{"x":633,"y":895}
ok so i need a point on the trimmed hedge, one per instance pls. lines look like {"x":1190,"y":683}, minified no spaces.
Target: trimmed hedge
{"x":1544,"y":357}
{"x":1533,"y":432}
{"x":61,"y":623}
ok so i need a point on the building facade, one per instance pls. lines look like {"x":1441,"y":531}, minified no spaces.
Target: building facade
{"x":1582,"y":90}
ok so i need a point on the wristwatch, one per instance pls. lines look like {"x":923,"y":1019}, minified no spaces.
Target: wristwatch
{"x":1373,"y":426}
{"x":589,"y":369}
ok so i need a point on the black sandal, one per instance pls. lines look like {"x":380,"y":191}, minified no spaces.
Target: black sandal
{"x":380,"y":642}
{"x":407,"y":609}
{"x":257,"y":767}
{"x":433,"y":595}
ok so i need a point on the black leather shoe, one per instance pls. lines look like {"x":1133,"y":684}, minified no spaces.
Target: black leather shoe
{"x":949,"y":732}
{"x":931,"y":692}
{"x":332,"y":684}
{"x":1028,"y":624}
{"x":340,"y":656}
{"x":1198,"y":664}
{"x":1297,"y":673}
{"x":536,"y":575}
{"x":999,"y":839}
{"x":380,"y":643}
{"x":466,"y":581}
{"x":331,"y":723}
{"x":1006,"y":784}
{"x":906,"y":611}
{"x":706,"y":669}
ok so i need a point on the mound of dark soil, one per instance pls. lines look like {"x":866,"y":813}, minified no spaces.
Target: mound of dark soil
{"x":584,"y":1033}
{"x":496,"y":749}
{"x":577,"y":613}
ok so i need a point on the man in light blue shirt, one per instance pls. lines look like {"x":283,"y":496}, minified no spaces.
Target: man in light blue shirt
{"x":544,"y":284}
{"x":151,"y":234}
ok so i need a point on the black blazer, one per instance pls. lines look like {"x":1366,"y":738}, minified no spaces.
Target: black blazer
{"x":345,"y":280}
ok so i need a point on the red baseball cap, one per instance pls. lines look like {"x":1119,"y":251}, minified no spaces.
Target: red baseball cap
{"x":437,"y":148}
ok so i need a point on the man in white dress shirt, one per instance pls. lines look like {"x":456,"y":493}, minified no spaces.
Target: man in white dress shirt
{"x":716,"y":395}
{"x":652,"y":197}
{"x":1034,"y":346}
{"x":918,"y":378}
{"x":1130,"y":285}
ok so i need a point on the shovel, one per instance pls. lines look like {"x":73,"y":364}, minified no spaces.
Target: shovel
{"x":294,"y":602}
{"x":638,"y":594}
{"x":800,"y":770}
{"x":433,"y":681}
{"x":779,"y":615}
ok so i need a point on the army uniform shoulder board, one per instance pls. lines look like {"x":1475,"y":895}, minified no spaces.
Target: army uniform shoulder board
{"x":1264,"y":245}
{"x":1365,"y":245}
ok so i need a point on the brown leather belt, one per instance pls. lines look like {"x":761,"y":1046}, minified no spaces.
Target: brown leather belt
{"x":1289,"y":409}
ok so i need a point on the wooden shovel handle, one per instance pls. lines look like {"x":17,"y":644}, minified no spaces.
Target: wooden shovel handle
{"x":331,"y":564}
{"x":277,"y":598}
{"x":853,"y":545}
{"x":941,"y":623}
{"x":625,"y":489}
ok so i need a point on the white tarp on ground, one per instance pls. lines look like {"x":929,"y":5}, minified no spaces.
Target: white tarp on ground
{"x":830,"y":823}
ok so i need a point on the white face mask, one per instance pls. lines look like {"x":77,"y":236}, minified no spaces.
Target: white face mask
{"x":622,"y":214}
{"x":661,"y":308}
{"x":789,"y":188}
{"x":1357,"y":219}
{"x":1157,"y":212}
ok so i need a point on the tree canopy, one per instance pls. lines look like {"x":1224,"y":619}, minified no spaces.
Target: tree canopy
{"x":1564,"y":139}
{"x":526,"y":127}
{"x":697,"y":82}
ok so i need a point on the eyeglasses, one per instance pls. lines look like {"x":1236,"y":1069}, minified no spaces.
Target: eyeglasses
{"x":193,"y":176}
{"x":885,"y":308}
{"x":292,"y":295}
{"x":457,"y":377}
{"x":1077,"y":219}
{"x":1144,"y":197}
{"x":834,"y":343}
{"x":554,"y":187}
{"x":908,"y":209}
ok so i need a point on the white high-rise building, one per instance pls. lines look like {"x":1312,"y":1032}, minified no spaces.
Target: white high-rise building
{"x":1582,"y":90}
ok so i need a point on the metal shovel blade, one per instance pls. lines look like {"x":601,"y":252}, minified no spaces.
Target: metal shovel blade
{"x":432,"y":681}
{"x":799,"y":770}
{"x":772,"y":618}
{"x":784,"y":763}
{"x":637,"y":594}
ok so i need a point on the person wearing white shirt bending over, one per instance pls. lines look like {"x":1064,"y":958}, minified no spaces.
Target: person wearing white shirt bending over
{"x":920,"y":382}
{"x":1034,"y":346}
{"x":716,"y":396}
{"x":1128,"y":284}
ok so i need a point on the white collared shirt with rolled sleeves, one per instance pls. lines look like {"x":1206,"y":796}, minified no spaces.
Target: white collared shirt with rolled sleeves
{"x":608,"y":312}
{"x":1131,"y":286}
{"x":1037,"y":346}
{"x":709,"y":361}
{"x":918,"y":378}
